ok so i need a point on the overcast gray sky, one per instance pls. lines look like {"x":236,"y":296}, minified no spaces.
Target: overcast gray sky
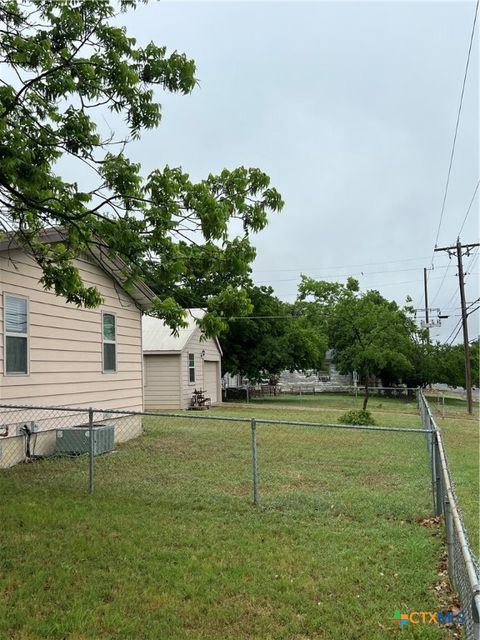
{"x":351,"y":109}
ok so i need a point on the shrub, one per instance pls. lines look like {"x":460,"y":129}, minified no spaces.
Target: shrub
{"x":360,"y":417}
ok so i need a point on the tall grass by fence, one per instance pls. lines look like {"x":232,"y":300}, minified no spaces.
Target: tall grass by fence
{"x":463,"y":568}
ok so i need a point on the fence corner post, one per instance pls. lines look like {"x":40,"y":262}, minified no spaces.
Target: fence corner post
{"x":91,"y":452}
{"x":253,"y":424}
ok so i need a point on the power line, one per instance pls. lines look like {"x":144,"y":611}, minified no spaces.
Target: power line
{"x":290,"y":317}
{"x":460,"y":250}
{"x":474,"y":258}
{"x":441,"y":284}
{"x":343,"y":266}
{"x":346,"y":275}
{"x":455,"y":336}
{"x":456,"y":127}
{"x":458,"y":326}
{"x":472,"y":262}
{"x":385,"y":284}
{"x":470,"y":304}
{"x":469,"y":207}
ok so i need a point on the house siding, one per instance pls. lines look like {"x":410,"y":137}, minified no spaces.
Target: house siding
{"x":196,"y":345}
{"x":162,"y":382}
{"x":65,"y":342}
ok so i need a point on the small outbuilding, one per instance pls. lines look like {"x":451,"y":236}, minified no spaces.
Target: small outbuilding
{"x":177,"y":366}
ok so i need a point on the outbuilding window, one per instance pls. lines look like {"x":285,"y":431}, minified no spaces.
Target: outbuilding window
{"x":16,"y":335}
{"x":109,"y":343}
{"x":191,"y":367}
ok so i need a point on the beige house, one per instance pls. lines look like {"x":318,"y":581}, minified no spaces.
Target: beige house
{"x":176,"y":366}
{"x":53,"y":353}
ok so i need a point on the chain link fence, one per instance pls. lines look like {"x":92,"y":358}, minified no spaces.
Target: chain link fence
{"x":308,"y":391}
{"x":255,"y":451}
{"x":282,"y":465}
{"x":463,"y":568}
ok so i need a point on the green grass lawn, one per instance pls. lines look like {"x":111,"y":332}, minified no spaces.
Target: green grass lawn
{"x":336,"y":401}
{"x":170,"y":546}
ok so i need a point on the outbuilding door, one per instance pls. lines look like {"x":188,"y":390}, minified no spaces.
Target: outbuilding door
{"x":210,"y":379}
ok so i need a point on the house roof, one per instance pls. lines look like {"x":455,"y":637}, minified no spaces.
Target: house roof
{"x":158,"y":338}
{"x":139,"y":291}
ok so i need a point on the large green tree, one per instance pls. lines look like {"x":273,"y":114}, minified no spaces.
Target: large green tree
{"x":65,"y":64}
{"x":368,"y":333}
{"x":273,"y":339}
{"x":450,"y":364}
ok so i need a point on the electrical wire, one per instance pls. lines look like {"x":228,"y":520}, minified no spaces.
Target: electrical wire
{"x":384,"y":284}
{"x":346,"y":275}
{"x":472,"y":261}
{"x":469,"y":207}
{"x":343,"y":266}
{"x":441,"y":284}
{"x":457,"y":324}
{"x":291,"y":317}
{"x":455,"y":336}
{"x":470,"y":266}
{"x":452,"y":153}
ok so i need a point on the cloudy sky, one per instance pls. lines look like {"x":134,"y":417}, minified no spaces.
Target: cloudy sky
{"x":351,"y":109}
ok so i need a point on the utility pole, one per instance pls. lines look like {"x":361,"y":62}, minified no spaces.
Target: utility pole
{"x":426,"y":302}
{"x":458,"y":251}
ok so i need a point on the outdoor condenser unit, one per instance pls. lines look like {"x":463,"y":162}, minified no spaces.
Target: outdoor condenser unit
{"x":76,"y":440}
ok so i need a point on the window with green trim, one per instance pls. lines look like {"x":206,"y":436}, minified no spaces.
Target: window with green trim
{"x":109,"y":333}
{"x":191,"y":367}
{"x":16,"y":335}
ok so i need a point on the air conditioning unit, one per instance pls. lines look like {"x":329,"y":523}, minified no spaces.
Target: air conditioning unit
{"x":76,"y":440}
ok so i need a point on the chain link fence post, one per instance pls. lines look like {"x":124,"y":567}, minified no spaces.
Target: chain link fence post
{"x":476,"y":610}
{"x":438,"y":479}
{"x":254,"y":462}
{"x":91,"y":452}
{"x":450,"y":541}
{"x":431,"y":453}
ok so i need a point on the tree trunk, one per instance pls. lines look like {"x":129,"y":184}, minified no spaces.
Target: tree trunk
{"x":365,"y":399}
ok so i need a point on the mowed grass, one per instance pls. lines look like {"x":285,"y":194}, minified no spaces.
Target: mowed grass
{"x":461,"y":435}
{"x":171,"y":547}
{"x":336,"y":402}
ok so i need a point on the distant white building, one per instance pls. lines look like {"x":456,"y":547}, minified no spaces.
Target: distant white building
{"x":327,"y":378}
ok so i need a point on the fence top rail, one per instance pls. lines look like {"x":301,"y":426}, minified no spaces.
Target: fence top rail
{"x":196,"y":416}
{"x":25,"y":407}
{"x":348,"y":387}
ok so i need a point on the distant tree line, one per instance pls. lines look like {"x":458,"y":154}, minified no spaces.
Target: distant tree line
{"x":367,"y":333}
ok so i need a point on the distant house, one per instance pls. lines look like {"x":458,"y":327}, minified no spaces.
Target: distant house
{"x":326,"y":379}
{"x":54,"y":353}
{"x":176,"y":366}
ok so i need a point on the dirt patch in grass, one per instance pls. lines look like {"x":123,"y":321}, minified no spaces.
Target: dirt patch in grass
{"x":431,"y":522}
